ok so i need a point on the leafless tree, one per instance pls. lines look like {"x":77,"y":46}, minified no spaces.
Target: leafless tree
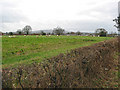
{"x":58,"y":31}
{"x":27,"y":29}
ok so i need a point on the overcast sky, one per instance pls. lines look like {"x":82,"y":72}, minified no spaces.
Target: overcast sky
{"x":72,"y":15}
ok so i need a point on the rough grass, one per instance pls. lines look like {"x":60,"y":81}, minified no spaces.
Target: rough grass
{"x":27,"y":49}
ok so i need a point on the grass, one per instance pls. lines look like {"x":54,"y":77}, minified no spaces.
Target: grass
{"x":27,"y":49}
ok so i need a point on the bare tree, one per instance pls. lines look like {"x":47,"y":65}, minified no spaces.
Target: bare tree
{"x":58,"y":31}
{"x":27,"y":29}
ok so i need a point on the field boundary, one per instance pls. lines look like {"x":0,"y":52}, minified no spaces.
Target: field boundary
{"x":88,"y":66}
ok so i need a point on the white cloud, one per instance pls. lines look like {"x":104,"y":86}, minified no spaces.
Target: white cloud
{"x":69,"y":14}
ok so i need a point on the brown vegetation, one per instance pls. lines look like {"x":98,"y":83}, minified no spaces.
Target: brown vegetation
{"x":88,"y":67}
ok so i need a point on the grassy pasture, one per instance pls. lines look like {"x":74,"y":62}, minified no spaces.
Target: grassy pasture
{"x":27,"y":49}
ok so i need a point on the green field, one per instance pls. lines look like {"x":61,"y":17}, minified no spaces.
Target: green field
{"x":27,"y":49}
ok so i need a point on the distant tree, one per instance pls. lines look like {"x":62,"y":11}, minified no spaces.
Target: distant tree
{"x":10,"y":33}
{"x":58,"y":31}
{"x":43,"y":33}
{"x":112,"y":34}
{"x":49,"y":33}
{"x":67,"y":33}
{"x":7,"y":33}
{"x":72,"y":32}
{"x":52,"y":33}
{"x":19,"y":31}
{"x":78,"y":33}
{"x":27,"y":29}
{"x":101,"y":32}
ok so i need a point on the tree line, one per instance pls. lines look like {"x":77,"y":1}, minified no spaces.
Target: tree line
{"x":60,"y":31}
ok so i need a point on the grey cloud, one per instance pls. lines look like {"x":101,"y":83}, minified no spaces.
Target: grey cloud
{"x":9,"y":3}
{"x":9,"y":13}
{"x":87,"y":26}
{"x":108,"y":9}
{"x":11,"y":16}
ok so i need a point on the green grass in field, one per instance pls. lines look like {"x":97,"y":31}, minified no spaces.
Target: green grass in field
{"x":28,"y":49}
